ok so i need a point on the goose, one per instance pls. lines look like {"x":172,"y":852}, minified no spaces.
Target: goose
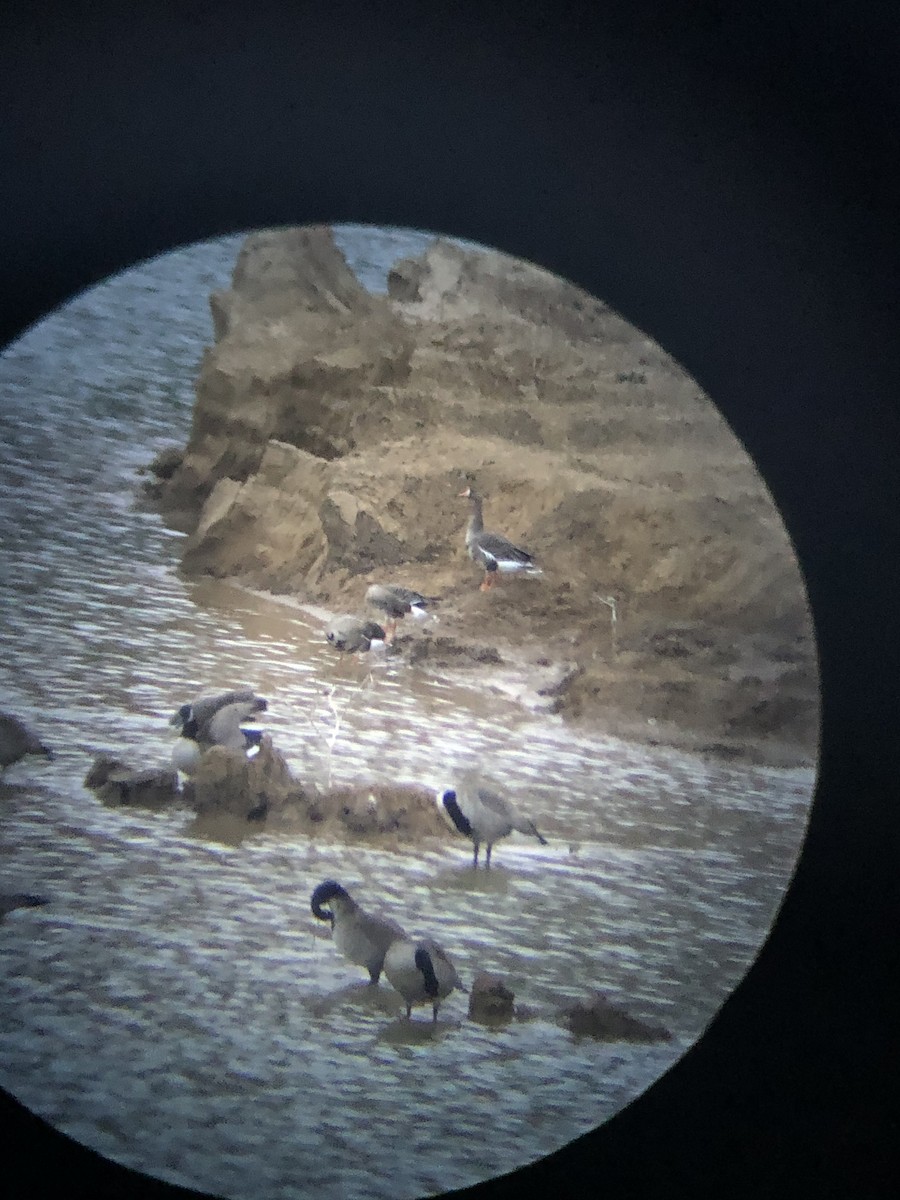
{"x":486,"y":816}
{"x":204,"y":708}
{"x":491,"y":550}
{"x":215,"y":721}
{"x":361,"y":937}
{"x":353,"y":633}
{"x":421,"y":972}
{"x":19,"y":900}
{"x":17,"y":740}
{"x":396,"y":602}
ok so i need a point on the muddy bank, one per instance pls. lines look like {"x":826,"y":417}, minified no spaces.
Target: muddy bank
{"x":233,"y":797}
{"x":334,"y":430}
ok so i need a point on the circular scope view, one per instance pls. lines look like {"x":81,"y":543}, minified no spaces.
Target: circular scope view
{"x":410,"y":715}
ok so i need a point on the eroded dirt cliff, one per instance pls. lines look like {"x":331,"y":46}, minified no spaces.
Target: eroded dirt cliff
{"x":334,"y":430}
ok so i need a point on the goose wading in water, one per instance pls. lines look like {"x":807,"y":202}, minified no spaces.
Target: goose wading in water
{"x":215,"y":721}
{"x":492,"y":551}
{"x":353,"y":633}
{"x":486,"y":816}
{"x":362,"y":938}
{"x":17,"y":741}
{"x":396,"y":603}
{"x":421,"y":972}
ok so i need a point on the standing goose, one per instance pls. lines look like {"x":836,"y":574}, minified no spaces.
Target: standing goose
{"x":421,"y":972}
{"x":198,"y":713}
{"x":353,"y":633}
{"x":215,"y":721}
{"x":492,"y":551}
{"x":361,"y":937}
{"x":396,"y":602}
{"x":486,"y":816}
{"x":17,"y":740}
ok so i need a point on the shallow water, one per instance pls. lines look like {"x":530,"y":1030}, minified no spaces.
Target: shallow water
{"x":176,"y":1006}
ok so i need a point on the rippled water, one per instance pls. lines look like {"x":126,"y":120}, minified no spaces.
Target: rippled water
{"x":176,"y":1006}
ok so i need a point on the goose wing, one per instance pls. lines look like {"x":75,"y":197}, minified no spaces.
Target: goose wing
{"x":444,"y":968}
{"x":505,"y":808}
{"x":395,"y":601}
{"x":495,"y":803}
{"x":223,"y":727}
{"x":204,"y":707}
{"x":379,"y":929}
{"x":500,"y":549}
{"x":411,"y":598}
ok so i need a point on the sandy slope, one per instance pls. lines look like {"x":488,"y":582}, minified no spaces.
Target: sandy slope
{"x":333,"y":431}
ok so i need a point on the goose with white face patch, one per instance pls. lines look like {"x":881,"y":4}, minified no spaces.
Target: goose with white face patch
{"x":362,"y":938}
{"x":486,"y":816}
{"x":216,"y":721}
{"x":421,"y":972}
{"x":397,"y":602}
{"x":495,"y":553}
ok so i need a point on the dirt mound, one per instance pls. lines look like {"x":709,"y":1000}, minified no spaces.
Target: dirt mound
{"x":234,"y":796}
{"x":334,"y":430}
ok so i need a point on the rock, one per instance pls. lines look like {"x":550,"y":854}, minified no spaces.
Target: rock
{"x":227,"y":781}
{"x":166,"y":462}
{"x":387,"y":815}
{"x":403,"y":811}
{"x":298,"y":342}
{"x":403,"y":280}
{"x":598,"y":1017}
{"x":9,"y":901}
{"x":115,"y":782}
{"x":490,"y":1000}
{"x":271,"y":523}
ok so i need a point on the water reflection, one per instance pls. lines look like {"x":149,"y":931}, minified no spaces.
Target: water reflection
{"x":175,"y":1006}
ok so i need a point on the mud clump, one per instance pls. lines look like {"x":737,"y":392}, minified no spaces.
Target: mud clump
{"x":597,"y":1017}
{"x":490,"y":1000}
{"x":116,"y":782}
{"x":234,"y":796}
{"x":379,"y":813}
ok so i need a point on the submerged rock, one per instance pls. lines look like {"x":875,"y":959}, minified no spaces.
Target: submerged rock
{"x":490,"y":1000}
{"x":116,"y":782}
{"x":9,"y":901}
{"x":401,"y":813}
{"x":597,"y":1017}
{"x":232,"y":792}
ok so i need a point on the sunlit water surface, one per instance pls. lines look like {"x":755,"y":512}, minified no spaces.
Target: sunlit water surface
{"x":174,"y":1006}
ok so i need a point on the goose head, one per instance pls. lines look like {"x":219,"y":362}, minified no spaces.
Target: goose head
{"x":329,"y":890}
{"x":456,"y":814}
{"x":181,"y":717}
